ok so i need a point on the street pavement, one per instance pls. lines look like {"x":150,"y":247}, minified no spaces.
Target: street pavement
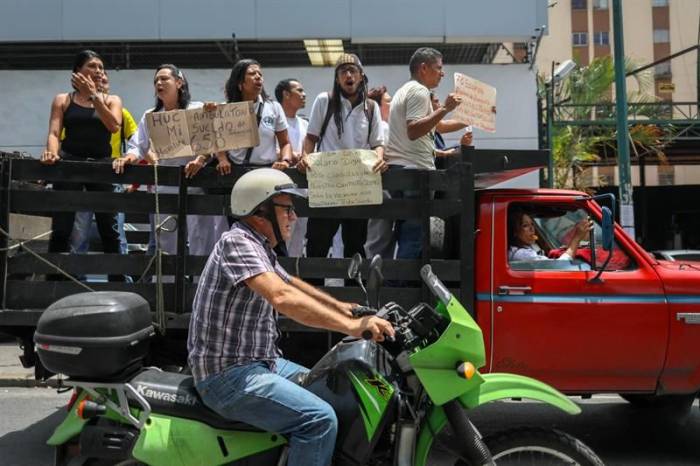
{"x":620,"y":434}
{"x":12,"y":374}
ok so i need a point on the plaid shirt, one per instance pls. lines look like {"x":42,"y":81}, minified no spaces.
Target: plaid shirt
{"x":231,"y":324}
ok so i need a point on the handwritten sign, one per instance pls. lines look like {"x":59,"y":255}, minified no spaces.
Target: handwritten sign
{"x":478,"y":101}
{"x":343,"y":178}
{"x":181,"y":133}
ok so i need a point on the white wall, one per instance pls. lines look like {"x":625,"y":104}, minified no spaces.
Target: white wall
{"x":358,"y":20}
{"x":26,"y":96}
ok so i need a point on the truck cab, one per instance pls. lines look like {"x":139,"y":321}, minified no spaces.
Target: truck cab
{"x":632,"y":328}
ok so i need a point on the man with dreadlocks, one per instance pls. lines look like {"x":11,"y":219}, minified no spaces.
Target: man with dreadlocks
{"x":236,"y":364}
{"x":343,"y":119}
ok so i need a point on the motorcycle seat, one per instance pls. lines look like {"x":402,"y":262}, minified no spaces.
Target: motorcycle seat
{"x":175,"y":395}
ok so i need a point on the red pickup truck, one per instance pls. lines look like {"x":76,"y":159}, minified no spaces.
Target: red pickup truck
{"x":628,"y":325}
{"x":633,"y":331}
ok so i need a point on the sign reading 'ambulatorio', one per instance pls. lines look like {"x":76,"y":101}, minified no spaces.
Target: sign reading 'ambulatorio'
{"x":181,"y":133}
{"x":343,"y":178}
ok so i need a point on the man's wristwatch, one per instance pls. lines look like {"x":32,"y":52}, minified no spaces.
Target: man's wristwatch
{"x":92,"y":97}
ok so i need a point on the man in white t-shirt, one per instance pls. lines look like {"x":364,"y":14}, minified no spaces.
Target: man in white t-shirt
{"x":411,"y":144}
{"x":343,"y":119}
{"x":290,"y":94}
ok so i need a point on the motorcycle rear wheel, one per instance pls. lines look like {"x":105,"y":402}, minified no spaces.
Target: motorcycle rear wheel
{"x":533,"y":445}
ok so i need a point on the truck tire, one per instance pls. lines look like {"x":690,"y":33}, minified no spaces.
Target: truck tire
{"x":666,"y":405}
{"x":437,"y":238}
{"x":534,"y":445}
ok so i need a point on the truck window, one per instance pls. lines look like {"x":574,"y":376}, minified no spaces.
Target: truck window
{"x":552,"y":230}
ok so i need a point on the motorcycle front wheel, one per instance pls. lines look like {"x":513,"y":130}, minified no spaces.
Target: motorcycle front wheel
{"x":518,"y":447}
{"x":543,"y":447}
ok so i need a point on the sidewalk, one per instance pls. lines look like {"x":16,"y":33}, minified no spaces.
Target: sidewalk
{"x":12,"y":374}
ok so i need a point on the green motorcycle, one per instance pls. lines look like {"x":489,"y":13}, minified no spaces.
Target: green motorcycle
{"x":403,"y":402}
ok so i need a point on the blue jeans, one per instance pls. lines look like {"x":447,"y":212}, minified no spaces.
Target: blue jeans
{"x":409,"y":233}
{"x":269,"y":400}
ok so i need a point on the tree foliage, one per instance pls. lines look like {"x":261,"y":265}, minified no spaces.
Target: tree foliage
{"x":586,"y":100}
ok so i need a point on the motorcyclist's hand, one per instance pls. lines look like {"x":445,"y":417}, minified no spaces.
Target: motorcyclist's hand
{"x":361,"y":311}
{"x":377,"y":327}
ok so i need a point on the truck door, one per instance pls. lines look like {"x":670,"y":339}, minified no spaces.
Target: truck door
{"x":552,"y":323}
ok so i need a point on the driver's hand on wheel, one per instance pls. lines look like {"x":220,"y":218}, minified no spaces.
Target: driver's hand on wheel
{"x":377,"y":327}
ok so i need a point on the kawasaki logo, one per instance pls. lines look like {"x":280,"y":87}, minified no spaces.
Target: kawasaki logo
{"x":184,"y":399}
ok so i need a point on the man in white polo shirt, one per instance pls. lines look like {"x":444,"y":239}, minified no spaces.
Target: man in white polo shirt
{"x":342,"y":119}
{"x":411,"y":144}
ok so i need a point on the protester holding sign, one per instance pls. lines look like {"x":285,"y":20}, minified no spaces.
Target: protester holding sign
{"x":245,"y":83}
{"x":342,"y":119}
{"x":449,"y":126}
{"x":172,"y":93}
{"x":411,"y":144}
{"x":89,"y":117}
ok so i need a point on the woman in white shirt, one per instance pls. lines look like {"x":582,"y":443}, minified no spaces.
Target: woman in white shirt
{"x":172,"y":93}
{"x":522,"y":239}
{"x":246,"y":84}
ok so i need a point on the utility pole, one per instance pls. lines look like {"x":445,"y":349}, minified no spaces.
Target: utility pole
{"x":623,"y":152}
{"x":549,"y":88}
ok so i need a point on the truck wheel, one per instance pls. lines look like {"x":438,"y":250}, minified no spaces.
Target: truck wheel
{"x":533,"y":445}
{"x":437,"y":238}
{"x":666,"y":405}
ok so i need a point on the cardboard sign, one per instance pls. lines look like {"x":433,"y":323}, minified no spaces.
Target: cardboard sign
{"x":343,"y":178}
{"x":478,"y":101}
{"x":181,"y":133}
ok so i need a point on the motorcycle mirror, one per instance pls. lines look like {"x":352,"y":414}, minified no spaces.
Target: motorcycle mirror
{"x":354,"y":273}
{"x":374,"y":281}
{"x":354,"y":267}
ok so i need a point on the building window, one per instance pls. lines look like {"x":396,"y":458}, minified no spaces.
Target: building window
{"x":579,"y":39}
{"x":662,"y":69}
{"x":601,"y":38}
{"x":578,"y":4}
{"x":659,"y":3}
{"x":661,"y":36}
{"x":600,"y":4}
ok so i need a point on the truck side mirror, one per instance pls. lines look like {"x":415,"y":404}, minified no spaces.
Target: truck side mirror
{"x":374,"y":281}
{"x":607,"y":227}
{"x":607,"y":241}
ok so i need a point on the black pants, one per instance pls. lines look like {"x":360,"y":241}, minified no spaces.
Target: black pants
{"x":62,"y":223}
{"x":319,"y":238}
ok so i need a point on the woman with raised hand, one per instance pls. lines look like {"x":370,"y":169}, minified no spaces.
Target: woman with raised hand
{"x":87,"y":117}
{"x":172,"y":93}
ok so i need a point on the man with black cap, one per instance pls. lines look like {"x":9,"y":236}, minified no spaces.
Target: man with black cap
{"x":343,"y":119}
{"x":232,"y":342}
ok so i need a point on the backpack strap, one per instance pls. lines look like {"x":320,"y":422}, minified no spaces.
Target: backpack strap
{"x":249,"y":152}
{"x":369,"y":113}
{"x":326,"y":120}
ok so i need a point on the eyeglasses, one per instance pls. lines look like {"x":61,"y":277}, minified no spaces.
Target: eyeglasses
{"x":288,"y":208}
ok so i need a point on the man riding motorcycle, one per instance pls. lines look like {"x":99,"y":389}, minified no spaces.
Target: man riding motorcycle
{"x":233,"y":333}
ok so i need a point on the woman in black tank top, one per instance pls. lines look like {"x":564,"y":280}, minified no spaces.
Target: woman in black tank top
{"x":89,"y":117}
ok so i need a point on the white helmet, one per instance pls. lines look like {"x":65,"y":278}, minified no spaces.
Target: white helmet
{"x":257,"y":186}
